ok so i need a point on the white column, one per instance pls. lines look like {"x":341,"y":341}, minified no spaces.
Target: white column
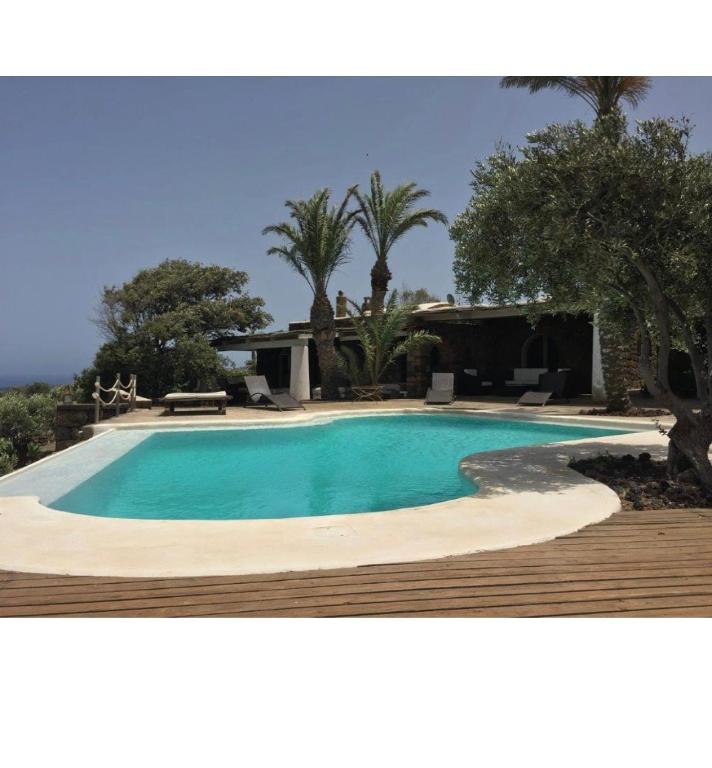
{"x":598,"y":385}
{"x":299,"y":383}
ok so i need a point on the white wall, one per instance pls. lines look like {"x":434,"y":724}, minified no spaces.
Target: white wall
{"x":598,"y":386}
{"x":299,"y":383}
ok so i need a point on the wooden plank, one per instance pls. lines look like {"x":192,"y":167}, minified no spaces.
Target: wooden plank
{"x":361,"y":582}
{"x":354,"y":602}
{"x":472,"y":607}
{"x":269,"y":598}
{"x":464,"y":606}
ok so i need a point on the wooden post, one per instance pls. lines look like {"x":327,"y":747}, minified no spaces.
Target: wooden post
{"x":97,"y":400}
{"x":117,"y":393}
{"x":132,"y":391}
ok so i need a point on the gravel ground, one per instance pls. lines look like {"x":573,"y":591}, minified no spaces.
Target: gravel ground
{"x":642,"y":483}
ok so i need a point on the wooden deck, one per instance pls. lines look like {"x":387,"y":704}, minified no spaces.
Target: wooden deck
{"x":655,"y":563}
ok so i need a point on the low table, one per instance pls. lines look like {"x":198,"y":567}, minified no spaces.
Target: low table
{"x":370,"y":392}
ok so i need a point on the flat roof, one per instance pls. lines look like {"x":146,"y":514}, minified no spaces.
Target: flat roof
{"x":299,"y":332}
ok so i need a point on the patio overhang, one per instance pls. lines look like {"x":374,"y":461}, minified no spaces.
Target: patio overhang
{"x":255,"y":341}
{"x":460,"y":314}
{"x":296,"y":341}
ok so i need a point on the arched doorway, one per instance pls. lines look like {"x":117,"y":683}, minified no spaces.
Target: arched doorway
{"x":540,"y":351}
{"x":434,"y":359}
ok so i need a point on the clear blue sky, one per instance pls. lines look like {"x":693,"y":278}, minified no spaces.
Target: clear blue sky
{"x":101,"y":177}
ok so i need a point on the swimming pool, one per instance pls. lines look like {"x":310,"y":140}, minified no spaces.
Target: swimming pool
{"x":341,"y":466}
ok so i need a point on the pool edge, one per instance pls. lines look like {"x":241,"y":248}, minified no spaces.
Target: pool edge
{"x":527,"y":495}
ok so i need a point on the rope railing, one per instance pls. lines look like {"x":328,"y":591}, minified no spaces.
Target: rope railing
{"x":120,"y":393}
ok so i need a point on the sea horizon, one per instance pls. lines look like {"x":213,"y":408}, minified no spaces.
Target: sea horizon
{"x":22,"y":380}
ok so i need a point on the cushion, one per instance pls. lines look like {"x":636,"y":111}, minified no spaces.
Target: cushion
{"x":175,"y":396}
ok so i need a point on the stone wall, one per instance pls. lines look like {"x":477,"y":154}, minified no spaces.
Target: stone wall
{"x":419,"y":370}
{"x":71,"y":418}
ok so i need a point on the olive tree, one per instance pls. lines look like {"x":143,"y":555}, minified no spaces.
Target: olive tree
{"x":584,"y":215}
{"x":161,"y":325}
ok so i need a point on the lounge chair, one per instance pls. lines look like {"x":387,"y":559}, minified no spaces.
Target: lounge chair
{"x":532,"y":397}
{"x":259,"y":393}
{"x":442,"y":390}
{"x":550,"y":385}
{"x":218,"y":399}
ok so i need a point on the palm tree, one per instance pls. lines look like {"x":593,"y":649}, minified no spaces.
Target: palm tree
{"x":382,"y":339}
{"x":603,"y":95}
{"x":316,"y":243}
{"x":385,"y":217}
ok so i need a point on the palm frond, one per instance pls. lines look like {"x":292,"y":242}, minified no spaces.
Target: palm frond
{"x":602,"y":93}
{"x":412,"y":340}
{"x":385,"y":216}
{"x":383,"y":338}
{"x":351,"y":365}
{"x":317,"y":239}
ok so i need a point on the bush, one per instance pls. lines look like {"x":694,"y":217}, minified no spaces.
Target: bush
{"x":37,"y":388}
{"x":8,"y":460}
{"x":26,"y":423}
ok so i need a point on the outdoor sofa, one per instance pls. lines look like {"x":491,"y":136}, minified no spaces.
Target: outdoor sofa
{"x":524,"y":379}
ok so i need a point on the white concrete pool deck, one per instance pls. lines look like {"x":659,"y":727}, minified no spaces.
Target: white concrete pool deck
{"x":526,"y":495}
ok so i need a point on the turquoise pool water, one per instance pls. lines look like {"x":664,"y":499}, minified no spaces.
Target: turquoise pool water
{"x":344,"y":466}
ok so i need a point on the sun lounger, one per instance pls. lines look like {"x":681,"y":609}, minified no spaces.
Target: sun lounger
{"x":442,"y":390}
{"x":259,"y":393}
{"x":187,"y":399}
{"x":551,"y":384}
{"x":534,"y":398}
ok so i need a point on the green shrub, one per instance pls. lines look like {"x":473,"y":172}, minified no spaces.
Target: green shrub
{"x":37,"y":388}
{"x":8,"y":460}
{"x":26,"y":423}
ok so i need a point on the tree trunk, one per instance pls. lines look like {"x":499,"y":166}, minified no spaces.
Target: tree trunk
{"x":677,"y":462}
{"x":615,"y":357}
{"x":380,"y":277}
{"x":690,"y":440}
{"x":22,"y":451}
{"x":324,"y":330}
